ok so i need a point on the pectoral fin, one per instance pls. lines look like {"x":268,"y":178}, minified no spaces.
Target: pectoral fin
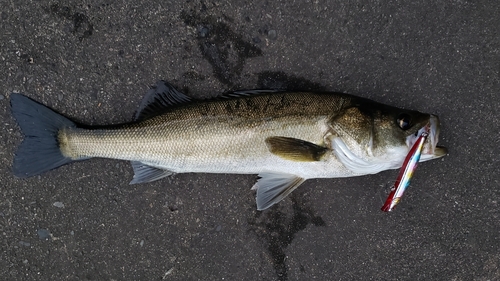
{"x":295,"y":149}
{"x":273,"y":187}
{"x":145,"y":173}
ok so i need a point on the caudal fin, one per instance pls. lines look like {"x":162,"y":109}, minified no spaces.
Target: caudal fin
{"x":39,"y":152}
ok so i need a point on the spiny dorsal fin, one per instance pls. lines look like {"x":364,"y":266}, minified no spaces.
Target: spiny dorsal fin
{"x":274,"y":187}
{"x":145,"y":173}
{"x":158,"y":99}
{"x":246,"y":93}
{"x":295,"y":149}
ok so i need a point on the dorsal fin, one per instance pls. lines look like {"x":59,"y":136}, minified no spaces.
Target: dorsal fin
{"x":246,"y":93}
{"x":158,"y":99}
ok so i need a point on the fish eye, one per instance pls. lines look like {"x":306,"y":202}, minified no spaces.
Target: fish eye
{"x":404,"y":121}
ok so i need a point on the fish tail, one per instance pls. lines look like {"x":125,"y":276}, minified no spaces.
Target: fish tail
{"x":39,"y":152}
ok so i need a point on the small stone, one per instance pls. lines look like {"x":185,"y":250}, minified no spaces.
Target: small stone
{"x":59,"y":97}
{"x":256,"y":40}
{"x":141,"y":243}
{"x":43,"y":234}
{"x":25,"y":261}
{"x":218,"y":228}
{"x":2,"y":97}
{"x":58,"y":204}
{"x":72,"y":232}
{"x":25,"y":244}
{"x":272,"y":34}
{"x":203,"y":31}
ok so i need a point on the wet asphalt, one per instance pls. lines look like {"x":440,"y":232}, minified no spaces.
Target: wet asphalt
{"x":93,"y":61}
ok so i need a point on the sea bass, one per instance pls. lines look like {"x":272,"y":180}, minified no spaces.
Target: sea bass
{"x":284,"y":137}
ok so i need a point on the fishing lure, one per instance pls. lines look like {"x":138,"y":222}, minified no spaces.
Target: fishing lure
{"x":406,"y":173}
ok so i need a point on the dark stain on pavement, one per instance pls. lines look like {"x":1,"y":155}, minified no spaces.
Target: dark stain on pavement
{"x":82,"y":27}
{"x":282,"y":81}
{"x":278,"y":228}
{"x":224,"y":49}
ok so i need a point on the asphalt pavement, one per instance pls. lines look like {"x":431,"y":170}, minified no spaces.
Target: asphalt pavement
{"x":93,"y":61}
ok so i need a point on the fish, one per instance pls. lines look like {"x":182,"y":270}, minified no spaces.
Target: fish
{"x":283,"y":137}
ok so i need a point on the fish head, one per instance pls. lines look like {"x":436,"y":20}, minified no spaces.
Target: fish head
{"x":430,"y":149}
{"x":382,"y":134}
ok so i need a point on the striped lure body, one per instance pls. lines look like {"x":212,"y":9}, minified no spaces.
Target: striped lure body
{"x":406,"y":173}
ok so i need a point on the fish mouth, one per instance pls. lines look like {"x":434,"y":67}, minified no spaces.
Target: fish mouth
{"x":430,"y":150}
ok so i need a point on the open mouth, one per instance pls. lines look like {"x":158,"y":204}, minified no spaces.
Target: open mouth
{"x":430,"y":150}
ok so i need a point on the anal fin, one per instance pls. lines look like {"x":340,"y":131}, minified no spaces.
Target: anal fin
{"x":274,"y":187}
{"x":145,"y":173}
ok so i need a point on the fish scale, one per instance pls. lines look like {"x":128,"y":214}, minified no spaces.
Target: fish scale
{"x":189,"y":139}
